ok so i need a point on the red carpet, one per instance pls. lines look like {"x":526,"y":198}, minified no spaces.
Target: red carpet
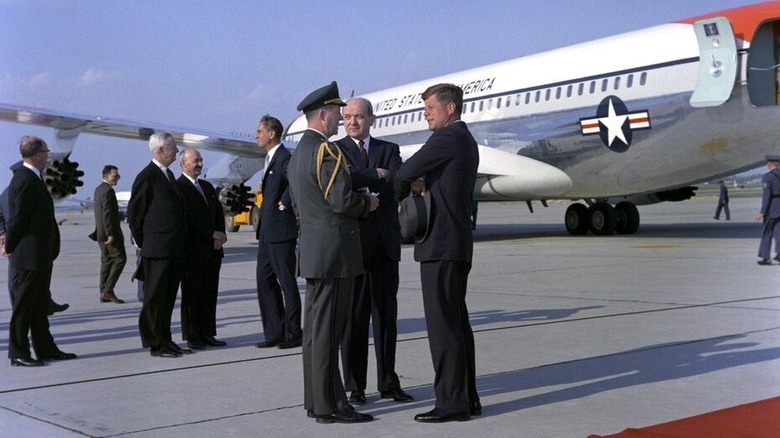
{"x":760,"y":419}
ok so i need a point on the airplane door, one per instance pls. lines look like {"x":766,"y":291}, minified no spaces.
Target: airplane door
{"x":762,"y":65}
{"x":717,"y":62}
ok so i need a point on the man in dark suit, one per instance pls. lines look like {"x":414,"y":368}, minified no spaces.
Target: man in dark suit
{"x":12,"y":273}
{"x":277,"y":288}
{"x":770,"y":211}
{"x":156,"y":214}
{"x":108,"y":234}
{"x":328,"y":252}
{"x":373,"y":162}
{"x":203,"y":254}
{"x":33,"y":242}
{"x":447,"y":164}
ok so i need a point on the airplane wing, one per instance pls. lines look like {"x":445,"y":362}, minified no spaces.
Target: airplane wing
{"x":70,"y":125}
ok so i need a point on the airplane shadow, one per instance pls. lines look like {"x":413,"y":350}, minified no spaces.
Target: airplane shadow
{"x":588,"y":376}
{"x":700,"y":230}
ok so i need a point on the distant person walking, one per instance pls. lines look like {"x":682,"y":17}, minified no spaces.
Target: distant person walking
{"x":108,"y":234}
{"x":723,"y":202}
{"x":770,"y":209}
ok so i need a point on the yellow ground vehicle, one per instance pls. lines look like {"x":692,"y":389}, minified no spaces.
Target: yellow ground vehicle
{"x":251,"y":217}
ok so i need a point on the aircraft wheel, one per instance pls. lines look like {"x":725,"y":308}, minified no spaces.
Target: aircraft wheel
{"x":577,"y":219}
{"x":603,"y":219}
{"x":254,"y":217}
{"x":627,"y":218}
{"x":230,"y":223}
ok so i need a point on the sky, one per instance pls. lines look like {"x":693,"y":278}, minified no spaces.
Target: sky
{"x":221,"y":65}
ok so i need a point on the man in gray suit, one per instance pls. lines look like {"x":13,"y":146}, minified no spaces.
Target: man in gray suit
{"x":329,"y":255}
{"x":108,"y":234}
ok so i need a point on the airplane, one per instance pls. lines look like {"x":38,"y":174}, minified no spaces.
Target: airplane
{"x":627,"y":120}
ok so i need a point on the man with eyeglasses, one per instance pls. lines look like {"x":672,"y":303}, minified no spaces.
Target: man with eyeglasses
{"x":32,"y":242}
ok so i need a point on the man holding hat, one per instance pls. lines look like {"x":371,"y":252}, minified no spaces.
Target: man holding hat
{"x":329,"y":254}
{"x":770,"y":209}
{"x":447,"y":164}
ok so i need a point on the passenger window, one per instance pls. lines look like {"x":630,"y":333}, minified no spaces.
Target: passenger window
{"x":630,"y":81}
{"x":604,"y":84}
{"x":592,"y":87}
{"x":580,"y":89}
{"x":643,"y":79}
{"x":569,"y":90}
{"x":498,"y":103}
{"x":617,"y":83}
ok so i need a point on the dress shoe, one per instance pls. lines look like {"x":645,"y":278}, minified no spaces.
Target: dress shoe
{"x":60,"y":355}
{"x":397,"y":395}
{"x":164,"y":351}
{"x":475,"y":408}
{"x":176,"y":348}
{"x":109,"y":296}
{"x":292,"y":343}
{"x":438,"y":416}
{"x":310,"y":414}
{"x":764,"y":262}
{"x":196,"y":344}
{"x":357,"y":398}
{"x":267,"y":344}
{"x":26,"y":362}
{"x":777,"y":258}
{"x":213,"y":342}
{"x":54,"y":307}
{"x":347,"y":415}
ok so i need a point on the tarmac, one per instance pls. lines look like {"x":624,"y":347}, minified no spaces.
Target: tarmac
{"x":574,"y":336}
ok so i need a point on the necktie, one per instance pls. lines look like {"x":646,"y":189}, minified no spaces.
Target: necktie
{"x":200,"y":190}
{"x":171,"y":178}
{"x":363,"y":153}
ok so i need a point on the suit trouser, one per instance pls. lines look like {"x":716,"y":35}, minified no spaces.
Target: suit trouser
{"x":451,"y":340}
{"x":771,"y":231}
{"x":327,"y":304}
{"x":277,"y":290}
{"x":722,"y":206}
{"x":112,"y":261}
{"x":13,"y":286}
{"x":199,"y":289}
{"x":161,"y":283}
{"x":374,"y":299}
{"x":29,"y":315}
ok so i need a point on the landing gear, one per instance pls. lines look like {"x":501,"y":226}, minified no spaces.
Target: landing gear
{"x":602,"y":219}
{"x":627,"y":218}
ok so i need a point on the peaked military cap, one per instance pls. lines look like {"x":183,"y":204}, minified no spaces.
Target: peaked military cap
{"x":327,"y":95}
{"x":772,"y":157}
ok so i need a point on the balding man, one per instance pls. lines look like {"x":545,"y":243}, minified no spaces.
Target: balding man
{"x":203,"y":254}
{"x":32,"y":242}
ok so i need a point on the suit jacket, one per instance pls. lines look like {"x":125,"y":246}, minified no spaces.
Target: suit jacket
{"x":277,"y":225}
{"x":204,"y":217}
{"x":329,"y":240}
{"x":32,"y":234}
{"x":770,"y":199}
{"x":107,"y":221}
{"x":383,"y":222}
{"x":156,"y":214}
{"x":448,"y":160}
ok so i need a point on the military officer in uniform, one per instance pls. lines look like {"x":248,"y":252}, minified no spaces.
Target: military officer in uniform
{"x":329,"y":255}
{"x":770,"y":210}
